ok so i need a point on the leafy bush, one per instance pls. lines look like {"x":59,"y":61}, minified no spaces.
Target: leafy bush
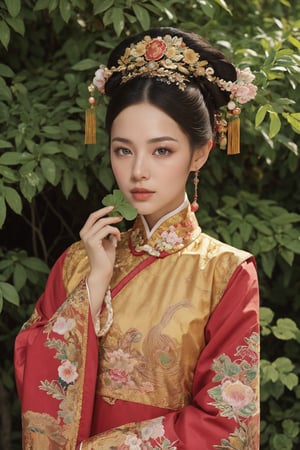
{"x":50,"y":181}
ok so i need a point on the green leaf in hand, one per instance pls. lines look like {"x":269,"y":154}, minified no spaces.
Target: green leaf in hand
{"x":121,"y":205}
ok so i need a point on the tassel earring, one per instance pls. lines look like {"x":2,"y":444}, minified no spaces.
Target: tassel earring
{"x":90,"y":118}
{"x":233,"y":132}
{"x":195,"y":205}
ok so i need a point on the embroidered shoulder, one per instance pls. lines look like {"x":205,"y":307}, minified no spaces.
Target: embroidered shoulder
{"x":219,"y":261}
{"x":76,"y":266}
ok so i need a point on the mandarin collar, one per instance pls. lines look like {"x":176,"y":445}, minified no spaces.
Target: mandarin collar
{"x":172,"y":233}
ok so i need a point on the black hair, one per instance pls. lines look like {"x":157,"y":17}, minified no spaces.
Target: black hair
{"x":193,"y":108}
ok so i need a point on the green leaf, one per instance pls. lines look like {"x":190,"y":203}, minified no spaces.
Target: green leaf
{"x":17,"y":24}
{"x":2,"y":211}
{"x":67,"y":183}
{"x":28,"y":190}
{"x":102,"y":5}
{"x":287,"y":255}
{"x":41,"y":4}
{"x":245,"y":231}
{"x":13,"y":199}
{"x":121,"y":205}
{"x":19,"y":277}
{"x":13,"y":158}
{"x":286,"y":218}
{"x":4,"y":34}
{"x":290,"y":380}
{"x":6,"y":71}
{"x":86,"y":64}
{"x":262,"y":227}
{"x":275,"y":124}
{"x":82,"y":185}
{"x":106,"y":178}
{"x":290,"y":428}
{"x":49,"y":169}
{"x":268,"y":263}
{"x":207,"y":8}
{"x":294,"y":41}
{"x":10,"y":293}
{"x":294,"y":120}
{"x":65,"y":10}
{"x":118,"y":20}
{"x":223,"y":5}
{"x":266,"y":316}
{"x":13,"y":7}
{"x":35,"y":264}
{"x":50,"y":148}
{"x":285,"y":329}
{"x":69,"y":150}
{"x":260,"y":115}
{"x":5,"y":144}
{"x":54,"y":132}
{"x":5,"y":92}
{"x":279,"y":442}
{"x":142,"y":16}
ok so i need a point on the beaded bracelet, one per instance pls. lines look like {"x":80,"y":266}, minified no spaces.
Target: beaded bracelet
{"x":102,"y":331}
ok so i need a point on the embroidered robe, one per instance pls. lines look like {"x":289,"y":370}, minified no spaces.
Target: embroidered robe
{"x":178,"y":369}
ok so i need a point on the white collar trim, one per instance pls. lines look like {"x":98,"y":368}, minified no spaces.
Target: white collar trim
{"x":149,"y":232}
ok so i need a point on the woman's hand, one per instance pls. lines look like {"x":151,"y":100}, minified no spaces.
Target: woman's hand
{"x":100,"y":237}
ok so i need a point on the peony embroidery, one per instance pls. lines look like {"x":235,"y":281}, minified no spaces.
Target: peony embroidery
{"x":170,"y":237}
{"x":153,"y":430}
{"x":236,"y":395}
{"x":149,"y":435}
{"x":67,"y":372}
{"x":62,"y":325}
{"x":133,"y":442}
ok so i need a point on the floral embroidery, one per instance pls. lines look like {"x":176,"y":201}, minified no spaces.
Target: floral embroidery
{"x":237,"y":397}
{"x":149,"y":435}
{"x":67,"y":372}
{"x":62,"y":326}
{"x":169,"y":238}
{"x":67,"y":335}
{"x":146,"y":365}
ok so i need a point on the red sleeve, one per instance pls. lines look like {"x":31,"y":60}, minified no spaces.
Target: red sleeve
{"x":226,"y":385}
{"x":224,"y":412}
{"x":56,"y":366}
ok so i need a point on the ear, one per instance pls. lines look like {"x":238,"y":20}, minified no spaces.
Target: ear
{"x":200,"y":156}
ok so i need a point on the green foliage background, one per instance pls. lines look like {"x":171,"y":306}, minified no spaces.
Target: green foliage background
{"x":50,"y":181}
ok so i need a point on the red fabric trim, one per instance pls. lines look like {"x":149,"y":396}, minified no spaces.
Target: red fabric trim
{"x":132,"y":274}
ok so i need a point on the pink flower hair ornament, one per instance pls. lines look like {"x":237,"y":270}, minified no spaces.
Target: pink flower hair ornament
{"x":169,"y":58}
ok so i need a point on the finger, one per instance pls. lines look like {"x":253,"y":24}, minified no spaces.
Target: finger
{"x":95,"y":223}
{"x":97,"y":236}
{"x":96,"y":215}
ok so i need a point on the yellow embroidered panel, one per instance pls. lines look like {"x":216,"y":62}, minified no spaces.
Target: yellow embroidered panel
{"x":149,"y":355}
{"x":151,"y":351}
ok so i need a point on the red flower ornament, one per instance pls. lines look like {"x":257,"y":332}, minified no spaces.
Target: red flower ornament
{"x":155,"y":50}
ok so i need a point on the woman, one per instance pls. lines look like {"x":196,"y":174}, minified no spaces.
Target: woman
{"x":148,"y":339}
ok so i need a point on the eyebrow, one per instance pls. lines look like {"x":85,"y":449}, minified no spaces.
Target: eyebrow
{"x":150,"y":141}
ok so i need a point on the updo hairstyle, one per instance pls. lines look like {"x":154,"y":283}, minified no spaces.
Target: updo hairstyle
{"x":193,"y":108}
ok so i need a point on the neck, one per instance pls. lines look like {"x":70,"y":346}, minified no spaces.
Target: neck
{"x":151,"y":230}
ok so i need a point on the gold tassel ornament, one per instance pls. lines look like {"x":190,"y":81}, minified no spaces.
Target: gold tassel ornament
{"x":233,"y":131}
{"x":90,"y":118}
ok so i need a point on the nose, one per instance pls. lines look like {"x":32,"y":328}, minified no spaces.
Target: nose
{"x":140,"y":169}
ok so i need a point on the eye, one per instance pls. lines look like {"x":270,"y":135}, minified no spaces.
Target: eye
{"x":162,"y":151}
{"x":122,"y":151}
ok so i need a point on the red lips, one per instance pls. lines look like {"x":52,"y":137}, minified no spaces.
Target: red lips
{"x":141,"y":194}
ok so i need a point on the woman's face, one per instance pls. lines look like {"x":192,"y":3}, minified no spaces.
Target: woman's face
{"x":151,"y":159}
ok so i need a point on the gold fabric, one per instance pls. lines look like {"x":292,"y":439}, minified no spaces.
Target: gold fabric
{"x":150,"y":353}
